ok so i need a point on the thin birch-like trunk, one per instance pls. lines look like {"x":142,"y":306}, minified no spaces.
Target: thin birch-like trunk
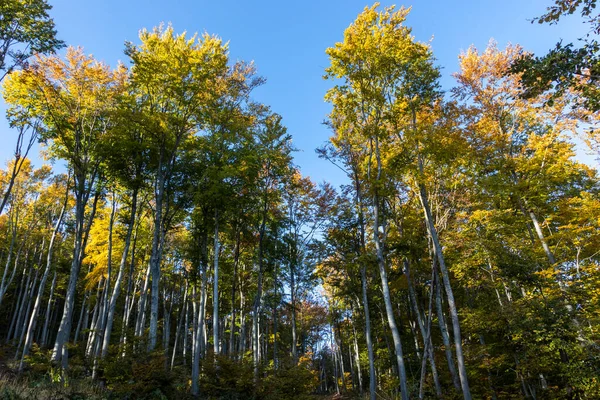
{"x":60,"y":352}
{"x":216,"y":346}
{"x":462,"y":370}
{"x":44,"y":333}
{"x":117,"y":289}
{"x":378,"y":232}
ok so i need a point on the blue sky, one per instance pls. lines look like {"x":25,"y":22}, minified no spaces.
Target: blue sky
{"x":287,"y":41}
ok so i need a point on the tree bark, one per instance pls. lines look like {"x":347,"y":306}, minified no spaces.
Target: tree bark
{"x":60,"y":353}
{"x":44,"y":334}
{"x":117,"y":289}
{"x":378,"y":224}
{"x":431,"y":229}
{"x":216,"y":346}
{"x":38,"y":299}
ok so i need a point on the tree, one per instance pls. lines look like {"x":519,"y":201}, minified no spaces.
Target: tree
{"x":565,"y":67}
{"x":388,"y":79}
{"x":307,"y":210}
{"x":26,"y":29}
{"x":174,"y":79}
{"x":73,"y":99}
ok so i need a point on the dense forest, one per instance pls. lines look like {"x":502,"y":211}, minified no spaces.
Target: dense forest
{"x":165,"y":245}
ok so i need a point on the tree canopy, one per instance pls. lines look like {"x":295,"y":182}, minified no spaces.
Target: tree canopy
{"x":180,"y":252}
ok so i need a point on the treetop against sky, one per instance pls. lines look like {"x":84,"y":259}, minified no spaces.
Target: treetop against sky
{"x":287,"y":41}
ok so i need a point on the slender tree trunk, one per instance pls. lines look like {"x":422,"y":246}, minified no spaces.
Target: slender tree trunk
{"x":257,"y":308}
{"x":389,"y":308}
{"x":445,"y":335}
{"x":236,"y":260}
{"x":293,"y":305}
{"x":130,"y":296}
{"x":200,"y":315}
{"x":167,"y":323}
{"x":95,"y":318}
{"x":27,"y":310}
{"x":197,"y":346}
{"x":542,"y":238}
{"x":363,"y":282}
{"x":103,"y":316}
{"x":339,"y":346}
{"x":378,"y":232}
{"x":186,"y":330}
{"x":424,"y":327}
{"x":141,"y":316}
{"x":216,"y":346}
{"x":370,"y":352}
{"x":60,"y":353}
{"x":15,"y":313}
{"x":48,"y":309}
{"x":242,"y":343}
{"x":275,"y":341}
{"x":357,"y":358}
{"x":182,"y":313}
{"x":117,"y":289}
{"x":23,"y":301}
{"x":38,"y":299}
{"x":4,"y":283}
{"x":195,"y":340}
{"x":84,"y":311}
{"x":53,"y":323}
{"x":156,"y":255}
{"x":462,"y":370}
{"x":204,"y":326}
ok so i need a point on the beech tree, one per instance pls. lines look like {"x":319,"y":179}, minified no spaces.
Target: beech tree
{"x":458,"y":258}
{"x":72,"y":97}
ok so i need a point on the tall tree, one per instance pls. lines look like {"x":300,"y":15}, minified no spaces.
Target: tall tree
{"x":73,"y":98}
{"x":174,"y":78}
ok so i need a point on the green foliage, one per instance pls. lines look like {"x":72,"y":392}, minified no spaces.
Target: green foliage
{"x":565,"y":68}
{"x":140,"y":376}
{"x":224,"y":378}
{"x":209,"y":172}
{"x":291,"y":382}
{"x":25,"y":29}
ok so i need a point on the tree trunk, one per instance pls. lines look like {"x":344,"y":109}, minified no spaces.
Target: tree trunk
{"x":48,"y":309}
{"x":216,"y":346}
{"x":24,"y":299}
{"x":60,"y":353}
{"x":363,"y":281}
{"x":257,"y":308}
{"x":357,"y":358}
{"x":38,"y":299}
{"x":424,"y":327}
{"x":141,"y":316}
{"x":236,"y":260}
{"x":182,"y":313}
{"x":4,"y":283}
{"x":378,"y":232}
{"x":200,"y":315}
{"x":156,"y":255}
{"x":195,"y":341}
{"x":293,"y":305}
{"x":462,"y":370}
{"x":26,"y":313}
{"x":117,"y":289}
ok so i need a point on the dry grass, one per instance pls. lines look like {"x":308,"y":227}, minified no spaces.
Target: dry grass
{"x":17,"y":388}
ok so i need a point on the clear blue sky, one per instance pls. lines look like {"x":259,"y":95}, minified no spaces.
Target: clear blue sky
{"x":287,"y":41}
